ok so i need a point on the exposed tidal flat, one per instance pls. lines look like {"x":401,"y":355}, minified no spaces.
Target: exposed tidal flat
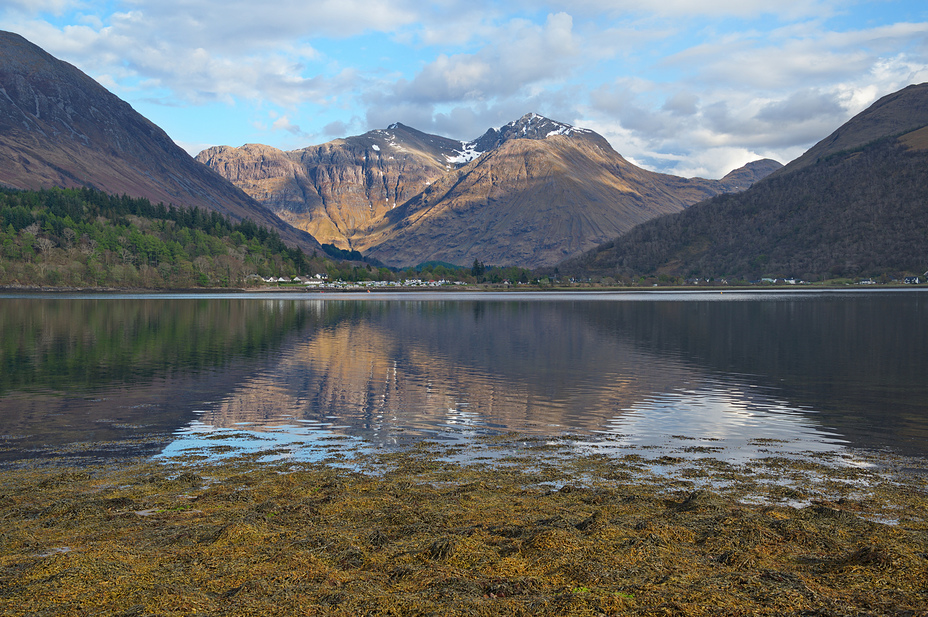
{"x":518,"y":526}
{"x":597,"y":454}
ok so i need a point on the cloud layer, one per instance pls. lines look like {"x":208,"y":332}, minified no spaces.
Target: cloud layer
{"x":684,"y":88}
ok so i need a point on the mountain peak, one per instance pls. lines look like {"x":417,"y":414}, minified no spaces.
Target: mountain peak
{"x":529,"y":126}
{"x":534,"y":126}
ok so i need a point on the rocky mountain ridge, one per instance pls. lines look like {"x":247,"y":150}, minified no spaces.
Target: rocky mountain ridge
{"x":531,"y":193}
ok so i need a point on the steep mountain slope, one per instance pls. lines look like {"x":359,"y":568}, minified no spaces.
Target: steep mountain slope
{"x":58,"y":127}
{"x":894,"y":114}
{"x":528,"y":194}
{"x":853,"y":205}
{"x":336,"y":189}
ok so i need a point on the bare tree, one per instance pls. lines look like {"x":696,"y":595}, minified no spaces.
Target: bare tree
{"x":44,"y":245}
{"x":69,"y":235}
{"x":147,"y":273}
{"x":238,"y":261}
{"x":88,"y":245}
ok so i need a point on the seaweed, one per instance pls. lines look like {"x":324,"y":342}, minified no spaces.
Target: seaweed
{"x":415,"y":534}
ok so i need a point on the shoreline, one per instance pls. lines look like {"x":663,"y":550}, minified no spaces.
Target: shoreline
{"x":542,"y":531}
{"x":472,"y":289}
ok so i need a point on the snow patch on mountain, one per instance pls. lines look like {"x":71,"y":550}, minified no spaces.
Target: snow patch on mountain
{"x":534,"y":126}
{"x":466,"y":154}
{"x":529,"y":126}
{"x":566,"y":130}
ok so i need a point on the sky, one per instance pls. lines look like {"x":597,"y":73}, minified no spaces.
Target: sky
{"x":688,"y":87}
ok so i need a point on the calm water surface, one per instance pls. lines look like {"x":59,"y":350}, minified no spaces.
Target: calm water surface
{"x":731,"y":375}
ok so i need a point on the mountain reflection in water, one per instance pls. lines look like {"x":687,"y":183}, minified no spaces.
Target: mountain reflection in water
{"x":725,"y":375}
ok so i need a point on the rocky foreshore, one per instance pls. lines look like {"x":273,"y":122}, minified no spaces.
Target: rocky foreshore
{"x":545,"y":531}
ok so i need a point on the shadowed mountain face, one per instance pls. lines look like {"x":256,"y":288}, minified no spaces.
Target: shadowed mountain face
{"x":852,"y":206}
{"x":530,"y":194}
{"x":58,"y":127}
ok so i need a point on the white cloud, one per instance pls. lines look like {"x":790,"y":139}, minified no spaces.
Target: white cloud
{"x":801,"y":106}
{"x":682,"y":104}
{"x":457,"y":24}
{"x":683,"y":86}
{"x":787,"y":57}
{"x":748,"y":94}
{"x":704,"y":134}
{"x":462,"y":95}
{"x":784,"y":9}
{"x":197,"y":51}
{"x":55,"y":7}
{"x":190,"y":74}
{"x":522,"y":53}
{"x":234,"y":24}
{"x":336,"y":129}
{"x":193,"y":148}
{"x":283,"y":124}
{"x":468,"y":120}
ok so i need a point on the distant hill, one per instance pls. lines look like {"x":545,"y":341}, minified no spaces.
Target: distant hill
{"x":528,"y":194}
{"x":853,"y":205}
{"x":58,"y":127}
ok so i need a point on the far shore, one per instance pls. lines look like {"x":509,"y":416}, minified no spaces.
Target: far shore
{"x":519,"y":289}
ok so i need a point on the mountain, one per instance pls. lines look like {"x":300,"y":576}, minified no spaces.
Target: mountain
{"x":853,"y":205}
{"x":58,"y":127}
{"x":894,"y":114}
{"x":543,"y":191}
{"x":335,"y":190}
{"x":529,"y":194}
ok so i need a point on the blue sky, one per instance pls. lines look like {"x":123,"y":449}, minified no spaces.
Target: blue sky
{"x":690,"y":87}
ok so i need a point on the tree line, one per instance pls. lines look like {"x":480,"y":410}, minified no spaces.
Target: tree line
{"x":84,"y":237}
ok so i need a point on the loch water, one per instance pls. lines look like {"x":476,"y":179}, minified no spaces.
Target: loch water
{"x":730,"y":374}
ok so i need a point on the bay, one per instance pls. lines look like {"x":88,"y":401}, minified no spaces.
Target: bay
{"x":732,"y":375}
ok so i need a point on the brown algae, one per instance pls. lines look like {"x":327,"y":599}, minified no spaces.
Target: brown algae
{"x":410,"y":533}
